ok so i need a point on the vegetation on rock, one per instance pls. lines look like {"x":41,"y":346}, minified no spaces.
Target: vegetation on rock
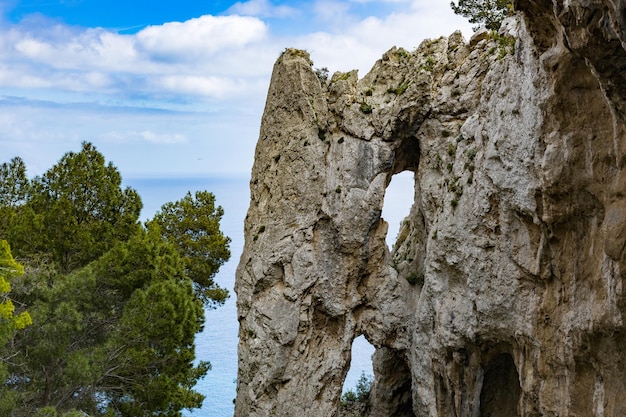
{"x":355,"y":402}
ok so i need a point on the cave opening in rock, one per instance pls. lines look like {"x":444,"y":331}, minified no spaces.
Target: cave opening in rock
{"x":501,"y":389}
{"x":392,"y":395}
{"x":399,"y":198}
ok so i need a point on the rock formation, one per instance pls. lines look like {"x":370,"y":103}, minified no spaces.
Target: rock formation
{"x":503,"y":295}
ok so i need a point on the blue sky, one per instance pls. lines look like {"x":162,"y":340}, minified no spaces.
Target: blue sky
{"x":176,"y":88}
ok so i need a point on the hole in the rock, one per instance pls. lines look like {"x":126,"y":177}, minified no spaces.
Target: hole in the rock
{"x":360,"y":364}
{"x":501,"y":390}
{"x":399,"y":198}
{"x":355,"y":398}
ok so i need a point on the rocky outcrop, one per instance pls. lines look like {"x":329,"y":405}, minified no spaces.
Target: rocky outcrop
{"x":503,"y":295}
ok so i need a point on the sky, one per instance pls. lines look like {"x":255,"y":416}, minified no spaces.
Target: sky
{"x":176,"y":88}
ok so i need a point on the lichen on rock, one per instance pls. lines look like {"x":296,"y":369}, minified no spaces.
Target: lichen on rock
{"x":504,"y":291}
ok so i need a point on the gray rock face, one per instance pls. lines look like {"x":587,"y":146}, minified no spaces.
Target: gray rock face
{"x":503,"y":295}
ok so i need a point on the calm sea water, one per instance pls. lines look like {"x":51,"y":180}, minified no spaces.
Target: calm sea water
{"x":218,"y":342}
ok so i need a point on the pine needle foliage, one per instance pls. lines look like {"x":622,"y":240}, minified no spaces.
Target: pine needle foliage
{"x":487,"y":13}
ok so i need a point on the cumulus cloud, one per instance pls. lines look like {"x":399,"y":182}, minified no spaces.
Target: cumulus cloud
{"x":209,"y":56}
{"x":216,"y":67}
{"x":191,"y":57}
{"x":200,"y":36}
{"x":333,"y":11}
{"x":360,"y":43}
{"x":261,"y":8}
{"x":93,"y":48}
{"x":196,"y":85}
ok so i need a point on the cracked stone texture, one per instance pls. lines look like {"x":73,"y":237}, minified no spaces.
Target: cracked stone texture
{"x":503,"y":295}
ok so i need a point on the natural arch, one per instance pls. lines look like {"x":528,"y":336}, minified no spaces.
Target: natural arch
{"x":488,"y":139}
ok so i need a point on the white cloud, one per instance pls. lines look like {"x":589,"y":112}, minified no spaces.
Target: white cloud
{"x":202,"y":57}
{"x":149,"y":50}
{"x":261,"y":8}
{"x":161,"y":138}
{"x":144,"y":136}
{"x":138,"y":141}
{"x":219,"y":67}
{"x":89,"y":49}
{"x":200,"y":36}
{"x":219,"y":57}
{"x":358,"y":45}
{"x":33,"y":48}
{"x":333,"y":11}
{"x":196,"y":85}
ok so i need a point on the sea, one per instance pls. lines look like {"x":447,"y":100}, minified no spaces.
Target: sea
{"x":217,"y":343}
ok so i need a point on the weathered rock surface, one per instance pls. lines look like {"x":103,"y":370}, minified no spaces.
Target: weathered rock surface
{"x":503,"y":295}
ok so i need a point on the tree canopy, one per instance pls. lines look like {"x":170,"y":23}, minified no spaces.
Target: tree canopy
{"x":487,"y":13}
{"x":192,"y":224}
{"x":116,"y":335}
{"x":83,"y":207}
{"x":14,"y":184}
{"x":9,"y":320}
{"x":113,"y":305}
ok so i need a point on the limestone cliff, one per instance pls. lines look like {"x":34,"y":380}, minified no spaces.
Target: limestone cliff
{"x":503,"y":295}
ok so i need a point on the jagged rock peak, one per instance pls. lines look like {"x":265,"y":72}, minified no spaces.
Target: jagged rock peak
{"x":503,"y":294}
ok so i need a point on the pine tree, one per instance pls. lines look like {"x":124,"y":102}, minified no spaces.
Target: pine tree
{"x":488,"y":13}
